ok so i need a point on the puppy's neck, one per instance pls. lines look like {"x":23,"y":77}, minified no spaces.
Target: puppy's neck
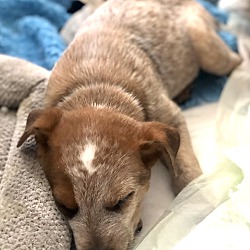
{"x":104,"y":96}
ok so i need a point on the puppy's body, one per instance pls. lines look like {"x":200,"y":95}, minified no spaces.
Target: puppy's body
{"x":95,"y":141}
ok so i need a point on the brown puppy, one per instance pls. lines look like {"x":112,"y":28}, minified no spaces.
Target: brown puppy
{"x":109,"y":117}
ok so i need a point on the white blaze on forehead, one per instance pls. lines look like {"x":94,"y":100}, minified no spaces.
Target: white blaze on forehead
{"x":87,"y":157}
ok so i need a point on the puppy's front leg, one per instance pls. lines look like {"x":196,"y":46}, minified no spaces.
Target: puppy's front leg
{"x":186,"y":166}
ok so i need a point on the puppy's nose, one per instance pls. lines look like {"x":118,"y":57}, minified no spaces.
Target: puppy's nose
{"x":139,"y":227}
{"x":101,"y":248}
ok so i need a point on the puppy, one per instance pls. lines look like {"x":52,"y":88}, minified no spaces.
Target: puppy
{"x":109,"y":116}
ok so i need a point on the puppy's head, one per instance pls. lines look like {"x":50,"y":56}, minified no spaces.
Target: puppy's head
{"x":98,"y":164}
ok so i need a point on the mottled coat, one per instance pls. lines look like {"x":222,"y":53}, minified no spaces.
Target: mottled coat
{"x":109,"y":116}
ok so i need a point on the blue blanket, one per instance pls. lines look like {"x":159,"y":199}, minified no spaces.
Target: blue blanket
{"x":29,"y":29}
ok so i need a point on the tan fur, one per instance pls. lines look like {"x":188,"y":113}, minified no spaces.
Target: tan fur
{"x":112,"y":89}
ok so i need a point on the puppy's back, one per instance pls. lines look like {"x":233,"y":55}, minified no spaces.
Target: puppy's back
{"x":157,"y":28}
{"x":130,"y":42}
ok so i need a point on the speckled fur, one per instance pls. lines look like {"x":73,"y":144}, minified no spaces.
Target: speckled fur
{"x":113,"y":88}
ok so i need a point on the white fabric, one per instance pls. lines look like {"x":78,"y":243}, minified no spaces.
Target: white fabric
{"x":213,"y":211}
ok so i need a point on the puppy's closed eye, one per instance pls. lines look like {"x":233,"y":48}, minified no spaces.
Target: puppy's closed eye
{"x":118,"y":206}
{"x":66,"y":211}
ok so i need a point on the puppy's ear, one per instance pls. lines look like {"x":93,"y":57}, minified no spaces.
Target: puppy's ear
{"x":161,"y":142}
{"x":40,"y":123}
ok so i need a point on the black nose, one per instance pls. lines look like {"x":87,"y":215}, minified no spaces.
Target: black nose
{"x":99,"y":245}
{"x":139,"y":227}
{"x":101,"y":248}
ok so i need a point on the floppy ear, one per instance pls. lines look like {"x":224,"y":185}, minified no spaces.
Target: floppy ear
{"x":161,"y":142}
{"x":40,"y":123}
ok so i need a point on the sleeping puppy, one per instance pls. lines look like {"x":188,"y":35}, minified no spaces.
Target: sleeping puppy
{"x":109,"y":116}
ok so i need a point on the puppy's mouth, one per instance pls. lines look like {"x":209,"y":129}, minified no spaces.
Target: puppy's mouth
{"x":138,"y":228}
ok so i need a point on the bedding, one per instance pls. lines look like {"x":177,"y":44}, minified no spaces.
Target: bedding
{"x":29,"y":29}
{"x":213,"y":211}
{"x":28,"y":216}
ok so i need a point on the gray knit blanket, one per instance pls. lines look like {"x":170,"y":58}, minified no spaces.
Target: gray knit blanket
{"x":28,"y":216}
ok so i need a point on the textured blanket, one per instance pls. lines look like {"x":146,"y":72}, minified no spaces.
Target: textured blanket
{"x":28,"y":216}
{"x":29,"y":29}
